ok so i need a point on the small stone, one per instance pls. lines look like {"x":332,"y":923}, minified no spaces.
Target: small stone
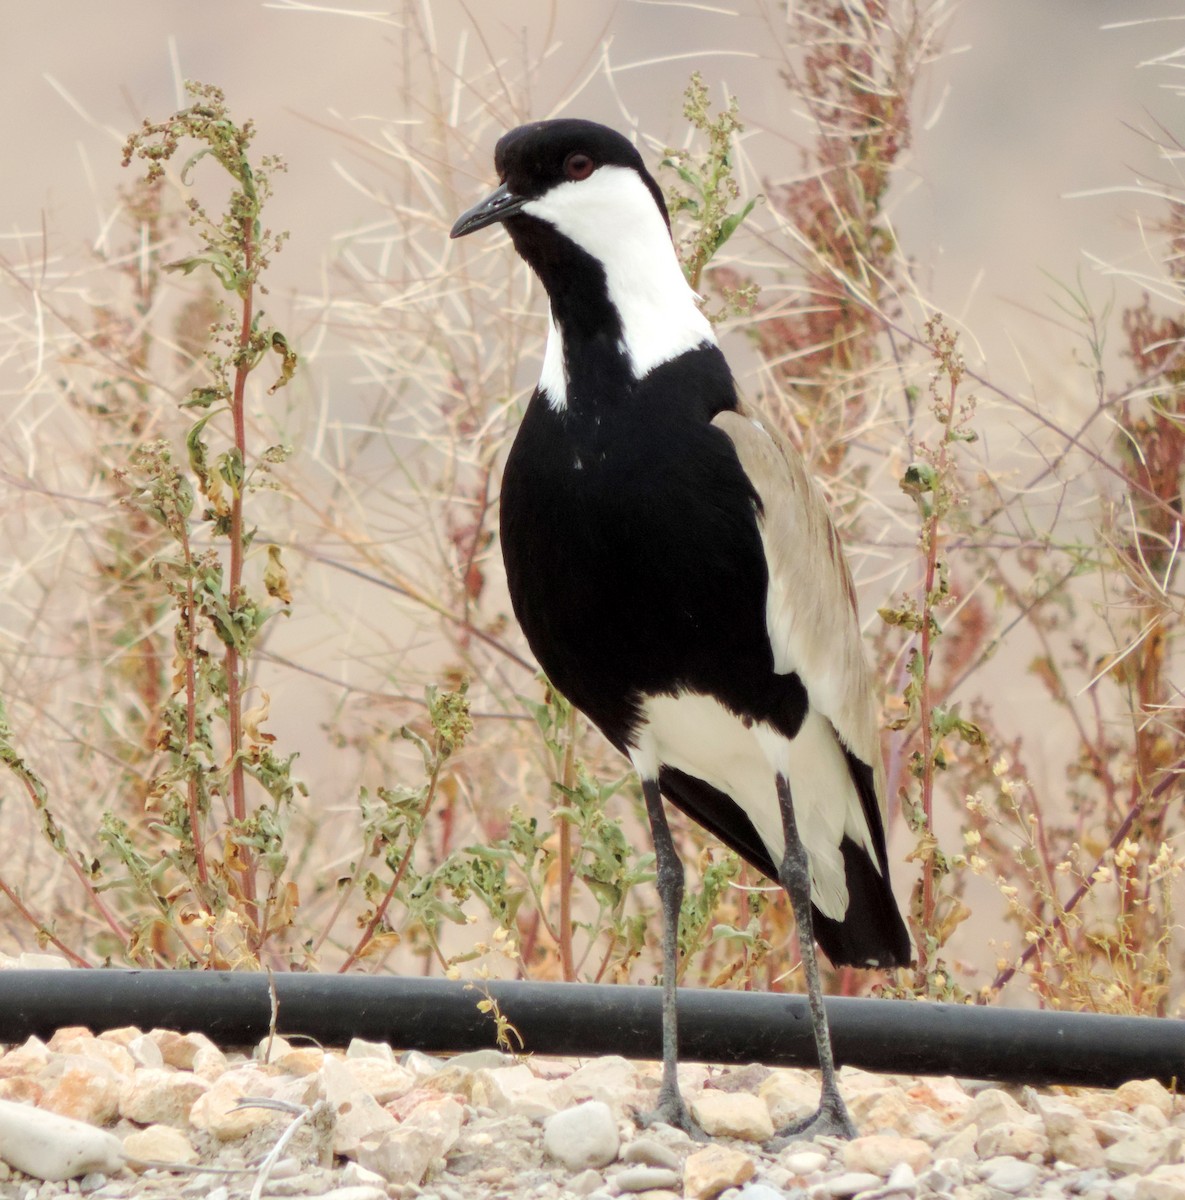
{"x":1070,"y":1135}
{"x":209,"y":1063}
{"x":707,"y":1172}
{"x":48,"y":1146}
{"x":846,"y":1184}
{"x":612,"y":1080}
{"x":789,"y":1094}
{"x":759,"y":1191}
{"x":945,"y":1175}
{"x":993,"y":1106}
{"x":145,"y":1052}
{"x":518,"y":1089}
{"x":361,"y":1048}
{"x":80,"y":1087}
{"x":156,"y":1096}
{"x":879,"y":1153}
{"x":1138,"y":1153}
{"x":960,"y":1146}
{"x":27,"y":1059}
{"x":158,"y":1144}
{"x":113,"y":1054}
{"x":1134,"y":1092}
{"x":215,"y":1110}
{"x":385,"y":1081}
{"x":1150,"y":1116}
{"x":645,"y":1179}
{"x":583,"y":1136}
{"x":1163,"y":1183}
{"x":353,"y":1174}
{"x":902,"y":1178}
{"x":358,"y":1116}
{"x":300,"y":1060}
{"x":803,"y":1162}
{"x":423,"y":1138}
{"x":1009,"y":1174}
{"x":880,"y":1109}
{"x":67,"y":1033}
{"x":651,"y":1153}
{"x":421,"y":1064}
{"x":733,"y":1114}
{"x":179,"y":1049}
{"x":585,"y":1183}
{"x":1014,"y":1138}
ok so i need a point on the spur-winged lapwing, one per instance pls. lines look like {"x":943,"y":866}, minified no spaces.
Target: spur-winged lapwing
{"x":677,"y":575}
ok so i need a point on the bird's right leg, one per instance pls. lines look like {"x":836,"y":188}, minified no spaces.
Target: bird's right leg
{"x":669,"y":869}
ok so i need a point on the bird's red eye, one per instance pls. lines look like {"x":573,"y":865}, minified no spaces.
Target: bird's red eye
{"x":578,"y":165}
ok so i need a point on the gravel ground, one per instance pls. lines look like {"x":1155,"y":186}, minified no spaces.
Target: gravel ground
{"x":368,"y":1123}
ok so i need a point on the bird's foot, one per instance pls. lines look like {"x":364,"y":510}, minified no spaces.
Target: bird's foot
{"x":830,"y":1119}
{"x":671,"y":1110}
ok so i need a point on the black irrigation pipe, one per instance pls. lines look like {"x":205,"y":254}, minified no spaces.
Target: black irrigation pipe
{"x":438,"y":1015}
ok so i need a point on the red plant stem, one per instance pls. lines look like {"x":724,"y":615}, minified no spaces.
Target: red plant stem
{"x":1124,"y":829}
{"x":234,"y":696}
{"x":191,"y":785}
{"x":52,"y":938}
{"x":381,"y":909}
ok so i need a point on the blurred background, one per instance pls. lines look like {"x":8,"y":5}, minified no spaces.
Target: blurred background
{"x":1032,"y":165}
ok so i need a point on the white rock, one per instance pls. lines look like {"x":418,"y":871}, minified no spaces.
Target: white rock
{"x":803,"y":1162}
{"x":424,"y":1136}
{"x":645,"y":1179}
{"x":1135,"y":1092}
{"x":759,"y":1191}
{"x":358,"y":1117}
{"x":879,"y":1153}
{"x":1070,"y":1135}
{"x":733,"y":1114}
{"x":361,"y":1048}
{"x":158,"y":1144}
{"x":518,"y":1089}
{"x":583,"y":1136}
{"x":48,"y":1146}
{"x":707,"y":1172}
{"x":846,"y":1184}
{"x":1018,"y":1139}
{"x":81,"y":1087}
{"x":650,"y":1152}
{"x":1009,"y":1174}
{"x":157,"y":1096}
{"x":585,"y":1183}
{"x":789,"y":1094}
{"x":145,"y":1052}
{"x":216,"y":1109}
{"x":991,"y":1106}
{"x":1141,"y":1151}
{"x":1164,"y":1183}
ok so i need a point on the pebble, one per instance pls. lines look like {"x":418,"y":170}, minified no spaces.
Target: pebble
{"x":584,"y":1136}
{"x":707,"y":1172}
{"x":733,"y":1114}
{"x":846,"y":1184}
{"x":1010,"y":1174}
{"x":650,"y":1152}
{"x":49,"y":1146}
{"x":645,"y":1179}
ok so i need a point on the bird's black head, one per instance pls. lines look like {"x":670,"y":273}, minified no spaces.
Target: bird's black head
{"x":535,"y":159}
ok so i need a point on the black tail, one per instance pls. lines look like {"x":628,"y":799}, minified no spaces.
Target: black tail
{"x":872,"y":933}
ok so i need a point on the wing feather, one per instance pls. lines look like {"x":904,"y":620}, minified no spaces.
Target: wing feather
{"x":811,"y":603}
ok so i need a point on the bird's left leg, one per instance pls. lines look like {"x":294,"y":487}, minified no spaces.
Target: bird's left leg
{"x":794,"y":875}
{"x":669,"y":869}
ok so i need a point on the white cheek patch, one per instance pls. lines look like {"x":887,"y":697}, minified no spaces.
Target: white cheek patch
{"x":613,"y":217}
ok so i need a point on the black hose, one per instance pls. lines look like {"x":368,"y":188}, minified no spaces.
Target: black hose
{"x":438,"y":1015}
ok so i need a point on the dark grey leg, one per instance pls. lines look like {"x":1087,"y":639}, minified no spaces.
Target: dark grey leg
{"x":671,"y":1108}
{"x":794,"y":875}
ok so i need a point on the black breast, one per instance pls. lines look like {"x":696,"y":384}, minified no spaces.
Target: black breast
{"x":632,"y":551}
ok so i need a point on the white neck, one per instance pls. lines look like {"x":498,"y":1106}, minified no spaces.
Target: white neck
{"x":613,"y":217}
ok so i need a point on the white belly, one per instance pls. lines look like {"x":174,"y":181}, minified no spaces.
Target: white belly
{"x":698,"y":735}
